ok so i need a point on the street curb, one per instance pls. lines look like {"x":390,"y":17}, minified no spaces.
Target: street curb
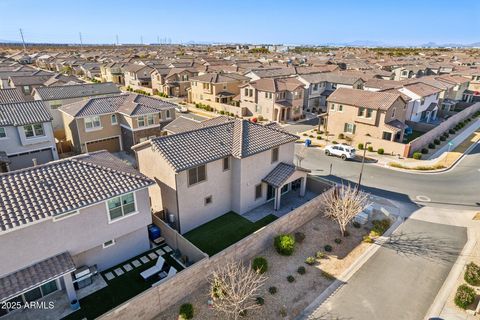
{"x":443,"y":294}
{"x":349,"y":272}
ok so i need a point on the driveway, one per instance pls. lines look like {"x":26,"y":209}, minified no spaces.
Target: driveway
{"x":301,"y":126}
{"x":401,"y":280}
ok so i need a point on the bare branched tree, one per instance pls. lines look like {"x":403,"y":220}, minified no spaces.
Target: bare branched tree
{"x":234,"y":288}
{"x":300,"y":155}
{"x":343,"y":204}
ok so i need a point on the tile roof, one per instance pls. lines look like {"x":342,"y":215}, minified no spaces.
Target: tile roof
{"x":37,"y":193}
{"x":276,"y":84}
{"x":363,"y":98}
{"x":238,"y":138}
{"x":333,"y":77}
{"x":11,"y":95}
{"x":220,"y":77}
{"x":22,"y":113}
{"x":32,"y":276}
{"x":422,"y":89}
{"x":277,"y":177}
{"x":183,"y":124}
{"x":77,"y":91}
{"x":129,"y":104}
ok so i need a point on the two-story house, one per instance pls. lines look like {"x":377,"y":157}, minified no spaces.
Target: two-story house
{"x":206,"y":172}
{"x":175,"y":83}
{"x":58,"y":96}
{"x":362,"y":115}
{"x":112,"y":72}
{"x":138,"y":76}
{"x":115,"y":123}
{"x":26,"y":135}
{"x":215,"y":87}
{"x":424,"y":101}
{"x":89,"y":211}
{"x":319,"y":86}
{"x":276,"y":99}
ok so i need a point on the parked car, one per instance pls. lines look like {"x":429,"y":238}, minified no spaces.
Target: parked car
{"x":339,"y":150}
{"x":181,"y":109}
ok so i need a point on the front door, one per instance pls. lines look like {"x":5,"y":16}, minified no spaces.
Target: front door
{"x":270,"y":192}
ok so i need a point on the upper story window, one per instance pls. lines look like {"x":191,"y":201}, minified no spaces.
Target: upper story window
{"x":369,"y":113}
{"x":121,"y":206}
{"x":114,"y":119}
{"x":197,"y":174}
{"x":34,"y":130}
{"x":393,"y":113}
{"x":3,"y":133}
{"x":340,"y":107}
{"x":274,"y":155}
{"x":226,"y":164}
{"x":315,"y":87}
{"x":361,"y":112}
{"x":332,"y":107}
{"x":168,"y":114}
{"x":145,"y":120}
{"x":92,"y":122}
{"x":26,"y":89}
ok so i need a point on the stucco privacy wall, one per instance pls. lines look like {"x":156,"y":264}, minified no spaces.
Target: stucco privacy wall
{"x":155,"y":300}
{"x":429,"y":136}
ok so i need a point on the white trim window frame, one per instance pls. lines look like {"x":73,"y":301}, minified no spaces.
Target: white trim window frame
{"x":108,"y":243}
{"x":3,"y":133}
{"x":92,"y":123}
{"x":114,"y":119}
{"x":35,"y":130}
{"x":121,"y":207}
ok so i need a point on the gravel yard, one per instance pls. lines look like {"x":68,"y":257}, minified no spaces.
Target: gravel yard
{"x":292,"y":297}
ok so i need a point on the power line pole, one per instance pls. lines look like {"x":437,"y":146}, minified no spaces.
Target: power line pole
{"x":141,"y":40}
{"x":81,"y":41}
{"x":23,"y":40}
{"x":116,"y":38}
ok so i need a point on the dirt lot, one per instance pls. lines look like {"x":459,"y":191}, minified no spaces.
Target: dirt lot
{"x":292,"y":297}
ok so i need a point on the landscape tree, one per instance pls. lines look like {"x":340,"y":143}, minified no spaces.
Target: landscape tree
{"x":343,"y":204}
{"x":234,"y":288}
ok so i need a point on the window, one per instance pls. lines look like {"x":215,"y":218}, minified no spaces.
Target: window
{"x":349,"y":128}
{"x":332,"y":107}
{"x":150,"y":119}
{"x":121,"y":206}
{"x":315,"y":87}
{"x":196,"y":175}
{"x":369,"y":113}
{"x":226,"y":164}
{"x":387,"y":136}
{"x":3,"y":133}
{"x":274,"y":155}
{"x":258,"y":191}
{"x":92,"y":123}
{"x":34,"y":130}
{"x":26,"y":89}
{"x":169,"y":114}
{"x":340,"y":108}
{"x":143,"y":139}
{"x":208,"y":200}
{"x":393,"y":113}
{"x":361,"y":112}
{"x":246,"y":92}
{"x":114,"y":119}
{"x":141,"y":121}
{"x":108,"y":243}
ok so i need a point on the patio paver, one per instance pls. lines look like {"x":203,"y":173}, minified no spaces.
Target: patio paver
{"x":136,"y":263}
{"x":167,"y":249}
{"x":152,"y":255}
{"x":127,"y":267}
{"x":160,"y":252}
{"x":118,"y":271}
{"x":144,"y":259}
{"x":109,"y":276}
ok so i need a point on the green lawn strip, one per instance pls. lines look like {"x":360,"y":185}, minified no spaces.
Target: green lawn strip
{"x":216,"y":235}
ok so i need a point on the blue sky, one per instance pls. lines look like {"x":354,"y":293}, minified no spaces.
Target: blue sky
{"x":396,"y":22}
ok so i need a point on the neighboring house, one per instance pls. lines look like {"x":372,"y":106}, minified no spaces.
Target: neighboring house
{"x":319,"y":86}
{"x":138,"y":76}
{"x":183,"y":124}
{"x":407,"y":72}
{"x":114,"y":123}
{"x":56,"y":97}
{"x":275,"y":99}
{"x":113,"y":72}
{"x":61,"y":79}
{"x":175,"y":83}
{"x":27,"y":83}
{"x":424,"y":101}
{"x":207,"y":172}
{"x":11,"y":95}
{"x":87,"y":211}
{"x":361,"y":115}
{"x":26,"y":135}
{"x":215,"y":87}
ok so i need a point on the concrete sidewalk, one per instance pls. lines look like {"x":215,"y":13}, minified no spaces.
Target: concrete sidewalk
{"x":457,"y":140}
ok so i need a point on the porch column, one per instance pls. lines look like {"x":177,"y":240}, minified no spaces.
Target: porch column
{"x":72,"y":295}
{"x":303,"y":186}
{"x":278,"y":195}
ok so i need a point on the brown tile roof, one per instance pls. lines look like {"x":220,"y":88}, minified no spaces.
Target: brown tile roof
{"x":276,"y":84}
{"x":363,"y":98}
{"x":422,"y":89}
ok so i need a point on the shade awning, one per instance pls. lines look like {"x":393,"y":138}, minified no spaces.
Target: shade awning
{"x":280,"y":174}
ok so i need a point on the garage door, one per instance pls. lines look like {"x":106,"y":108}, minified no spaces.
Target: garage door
{"x":110,"y":144}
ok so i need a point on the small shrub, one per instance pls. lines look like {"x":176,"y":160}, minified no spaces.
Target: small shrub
{"x":272,"y":290}
{"x":334,"y":142}
{"x":472,"y":274}
{"x":285,"y":244}
{"x":310,"y":136}
{"x":243,"y":313}
{"x":327,"y":275}
{"x":424,"y":151}
{"x":338,"y":240}
{"x":367,"y":239}
{"x":283,"y":312}
{"x":310,"y":261}
{"x":436,"y":141}
{"x":186,"y":311}
{"x":443,"y":138}
{"x":341,"y":136}
{"x":290,"y":278}
{"x":260,"y":264}
{"x":320,"y":255}
{"x":356,"y":224}
{"x":260,"y":118}
{"x":328,"y":248}
{"x":417,"y":155}
{"x":301,"y":270}
{"x":370,"y":148}
{"x":304,"y":134}
{"x":380,"y":151}
{"x":260,"y":301}
{"x":379,"y":227}
{"x":431,"y":146}
{"x":319,"y":137}
{"x":464,"y":296}
{"x":360,"y":146}
{"x":451,"y":131}
{"x":299,"y":237}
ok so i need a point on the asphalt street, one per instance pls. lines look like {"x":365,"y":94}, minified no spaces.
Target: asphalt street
{"x":400,"y":281}
{"x":457,"y":187}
